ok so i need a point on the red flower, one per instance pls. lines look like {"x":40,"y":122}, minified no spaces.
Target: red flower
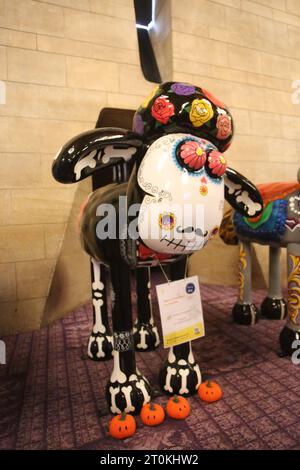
{"x":212,"y":98}
{"x":223,"y":126}
{"x":162,"y":109}
{"x":193,"y":154}
{"x":217,"y":163}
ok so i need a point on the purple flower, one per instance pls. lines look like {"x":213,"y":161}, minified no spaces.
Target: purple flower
{"x":138,"y":124}
{"x":183,"y":89}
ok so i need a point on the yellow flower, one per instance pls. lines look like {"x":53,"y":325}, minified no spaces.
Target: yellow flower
{"x":203,"y":190}
{"x":201,"y":112}
{"x":149,"y":97}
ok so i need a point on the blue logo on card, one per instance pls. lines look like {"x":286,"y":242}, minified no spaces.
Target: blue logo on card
{"x":190,"y":288}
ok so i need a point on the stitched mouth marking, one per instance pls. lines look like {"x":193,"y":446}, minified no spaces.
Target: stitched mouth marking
{"x":178,"y":244}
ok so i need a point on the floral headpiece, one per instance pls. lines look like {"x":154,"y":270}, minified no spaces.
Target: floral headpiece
{"x":181,"y":107}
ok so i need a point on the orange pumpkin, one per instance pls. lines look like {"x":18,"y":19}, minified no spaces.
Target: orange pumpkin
{"x":152,"y":414}
{"x":122,"y":426}
{"x":210,"y":391}
{"x":178,"y":407}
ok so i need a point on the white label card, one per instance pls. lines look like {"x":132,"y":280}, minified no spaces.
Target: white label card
{"x":180,"y":311}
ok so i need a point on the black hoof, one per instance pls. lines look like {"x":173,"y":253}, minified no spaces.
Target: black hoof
{"x":145,"y":337}
{"x":129,"y":395}
{"x":100,"y":347}
{"x":179,"y":379}
{"x":245,"y":314}
{"x":273,"y":309}
{"x":286,"y":339}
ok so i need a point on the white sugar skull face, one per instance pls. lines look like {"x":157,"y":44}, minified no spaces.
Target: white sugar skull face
{"x":183,"y":208}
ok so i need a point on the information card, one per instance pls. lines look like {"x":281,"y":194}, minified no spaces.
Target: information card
{"x":181,"y":311}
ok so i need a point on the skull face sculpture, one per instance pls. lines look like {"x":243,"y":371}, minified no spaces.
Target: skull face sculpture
{"x":184,"y":199}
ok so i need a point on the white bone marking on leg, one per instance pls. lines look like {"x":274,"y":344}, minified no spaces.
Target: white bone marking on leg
{"x":142,"y":344}
{"x":141,"y":385}
{"x":98,"y":325}
{"x":144,"y":378}
{"x":199,"y":378}
{"x":97,"y":294}
{"x":171,"y":356}
{"x":84,"y":162}
{"x":113,"y":392}
{"x":191,"y":358}
{"x":129,"y":405}
{"x":155,"y":331}
{"x":117,"y":375}
{"x":170,"y":372}
{"x":97,"y":283}
{"x":100,"y":352}
{"x":133,"y":377}
{"x":89,"y":346}
{"x":183,"y":373}
{"x":182,"y":362}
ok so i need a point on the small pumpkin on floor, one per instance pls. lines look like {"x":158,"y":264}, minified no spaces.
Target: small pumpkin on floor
{"x":122,"y":426}
{"x":152,"y":414}
{"x":210,"y":391}
{"x":178,"y":407}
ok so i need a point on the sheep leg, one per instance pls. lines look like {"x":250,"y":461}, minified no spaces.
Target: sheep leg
{"x":244,"y":312}
{"x":274,"y":306}
{"x":290,"y":335}
{"x":146,"y":336}
{"x":180,"y":374}
{"x":127,"y":390}
{"x":100,"y":340}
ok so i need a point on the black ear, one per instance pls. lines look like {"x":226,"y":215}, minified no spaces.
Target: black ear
{"x":92,"y":150}
{"x":242,"y":195}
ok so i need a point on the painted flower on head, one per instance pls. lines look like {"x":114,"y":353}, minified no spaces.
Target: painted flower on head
{"x":192,"y":154}
{"x":162,"y":109}
{"x":201,"y":112}
{"x":212,"y":98}
{"x":224,"y":126}
{"x":183,"y":89}
{"x":149,"y":97}
{"x":138,"y":124}
{"x":217,"y":163}
{"x":203,"y":190}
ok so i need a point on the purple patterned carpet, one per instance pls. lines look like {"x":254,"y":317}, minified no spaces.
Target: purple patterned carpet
{"x":50,"y":398}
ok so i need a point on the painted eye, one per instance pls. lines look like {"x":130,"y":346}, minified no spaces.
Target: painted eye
{"x":191,"y":155}
{"x":167,"y":220}
{"x":216,"y":164}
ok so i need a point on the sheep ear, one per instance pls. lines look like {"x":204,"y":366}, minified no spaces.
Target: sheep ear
{"x":242,"y":195}
{"x":93,"y":150}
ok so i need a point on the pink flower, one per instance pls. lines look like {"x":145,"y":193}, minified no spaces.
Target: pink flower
{"x":217,"y":163}
{"x":193,"y":154}
{"x":223,"y":126}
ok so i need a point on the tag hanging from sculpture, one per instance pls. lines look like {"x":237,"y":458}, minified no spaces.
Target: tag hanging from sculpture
{"x":180,"y":311}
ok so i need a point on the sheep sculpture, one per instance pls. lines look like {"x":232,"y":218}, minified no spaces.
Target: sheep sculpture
{"x":179,"y":135}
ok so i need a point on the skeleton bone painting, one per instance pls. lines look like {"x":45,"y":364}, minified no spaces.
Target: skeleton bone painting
{"x":179,"y":137}
{"x":277,"y":226}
